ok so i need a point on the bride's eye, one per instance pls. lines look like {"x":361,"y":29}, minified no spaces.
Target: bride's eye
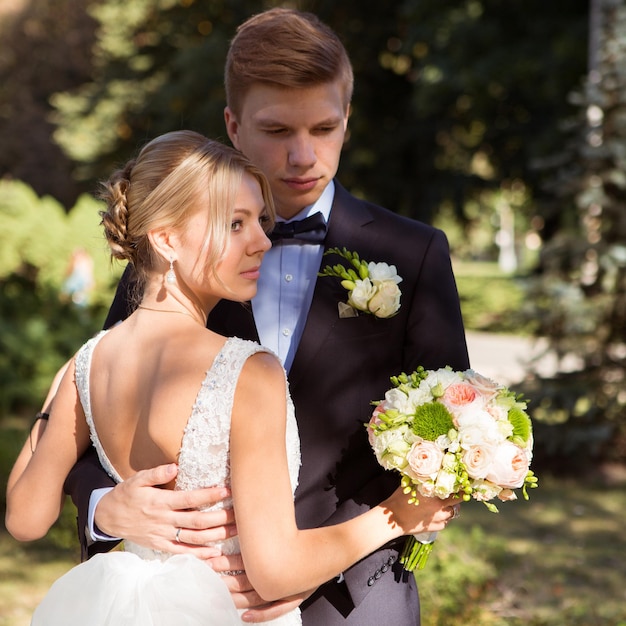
{"x":236,"y":225}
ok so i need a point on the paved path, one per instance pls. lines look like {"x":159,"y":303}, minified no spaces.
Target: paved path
{"x":507,"y":358}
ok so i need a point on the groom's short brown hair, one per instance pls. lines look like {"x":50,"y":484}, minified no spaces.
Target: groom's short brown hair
{"x":285,"y":48}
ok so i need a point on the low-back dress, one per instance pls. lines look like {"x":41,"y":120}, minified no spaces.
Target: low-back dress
{"x":145,"y":587}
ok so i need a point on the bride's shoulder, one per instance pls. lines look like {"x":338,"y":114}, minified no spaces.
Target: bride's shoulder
{"x":262,"y":372}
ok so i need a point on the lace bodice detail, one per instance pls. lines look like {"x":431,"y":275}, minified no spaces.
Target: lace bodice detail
{"x":204,"y":459}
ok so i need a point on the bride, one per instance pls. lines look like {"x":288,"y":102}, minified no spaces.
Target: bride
{"x":191,"y":216}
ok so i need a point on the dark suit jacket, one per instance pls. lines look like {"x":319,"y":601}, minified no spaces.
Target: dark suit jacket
{"x":341,"y":365}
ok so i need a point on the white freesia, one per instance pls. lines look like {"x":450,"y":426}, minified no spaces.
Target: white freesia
{"x":483,"y":490}
{"x":445,"y":483}
{"x":361,"y":294}
{"x":398,"y":400}
{"x":442,"y":377}
{"x":391,"y":450}
{"x":382,"y":272}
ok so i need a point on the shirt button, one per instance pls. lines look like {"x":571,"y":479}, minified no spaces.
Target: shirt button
{"x":288,"y":277}
{"x":286,"y":332}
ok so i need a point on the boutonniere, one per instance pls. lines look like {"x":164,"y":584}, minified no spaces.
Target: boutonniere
{"x":372,"y":287}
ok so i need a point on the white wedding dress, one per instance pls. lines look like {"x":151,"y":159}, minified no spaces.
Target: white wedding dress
{"x":143,"y":587}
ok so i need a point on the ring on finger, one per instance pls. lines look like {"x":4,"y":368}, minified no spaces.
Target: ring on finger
{"x":456,"y":511}
{"x":177,"y":537}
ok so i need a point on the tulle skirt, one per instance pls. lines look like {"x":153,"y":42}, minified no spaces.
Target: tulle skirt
{"x":121,"y":589}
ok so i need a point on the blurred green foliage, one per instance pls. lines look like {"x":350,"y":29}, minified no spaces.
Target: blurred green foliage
{"x":40,"y":326}
{"x":491,"y":301}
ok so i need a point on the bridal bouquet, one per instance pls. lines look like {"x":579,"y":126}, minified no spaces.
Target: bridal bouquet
{"x":452,"y":433}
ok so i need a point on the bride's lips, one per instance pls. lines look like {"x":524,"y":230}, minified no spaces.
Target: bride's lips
{"x":301,"y":184}
{"x":253,"y":273}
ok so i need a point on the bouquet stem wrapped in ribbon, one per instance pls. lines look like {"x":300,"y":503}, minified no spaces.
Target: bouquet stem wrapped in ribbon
{"x":452,"y":433}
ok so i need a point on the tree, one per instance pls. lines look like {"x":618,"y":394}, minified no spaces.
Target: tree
{"x":580,"y":293}
{"x":451,"y":97}
{"x":45,"y":48}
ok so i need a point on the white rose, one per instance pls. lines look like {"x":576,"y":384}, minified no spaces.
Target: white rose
{"x":382,"y":272}
{"x":386,"y":301}
{"x":478,"y":428}
{"x":509,"y":467}
{"x":361,"y":294}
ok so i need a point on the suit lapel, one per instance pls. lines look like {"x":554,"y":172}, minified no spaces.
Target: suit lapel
{"x":347,"y":217}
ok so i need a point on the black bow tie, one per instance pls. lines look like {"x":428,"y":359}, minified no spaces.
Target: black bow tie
{"x":309,"y":230}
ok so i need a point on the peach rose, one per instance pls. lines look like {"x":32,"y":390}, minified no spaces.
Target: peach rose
{"x":459,"y":394}
{"x":509,"y":467}
{"x":507,"y":495}
{"x":425,"y":458}
{"x":477,"y":460}
{"x":483,"y":385}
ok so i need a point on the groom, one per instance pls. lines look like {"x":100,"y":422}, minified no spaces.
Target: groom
{"x":288,"y":88}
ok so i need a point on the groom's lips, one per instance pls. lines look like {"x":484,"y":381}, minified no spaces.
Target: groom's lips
{"x":301,"y":184}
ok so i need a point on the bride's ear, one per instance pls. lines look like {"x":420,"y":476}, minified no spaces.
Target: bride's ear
{"x":163,"y":242}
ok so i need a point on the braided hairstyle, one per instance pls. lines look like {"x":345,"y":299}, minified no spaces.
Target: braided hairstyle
{"x":173,"y":177}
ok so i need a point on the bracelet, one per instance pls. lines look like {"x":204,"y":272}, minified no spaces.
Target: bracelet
{"x":38,"y":416}
{"x":41,"y":416}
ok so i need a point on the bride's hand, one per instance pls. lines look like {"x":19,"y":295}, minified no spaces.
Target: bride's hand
{"x":162,"y":519}
{"x":430,"y":515}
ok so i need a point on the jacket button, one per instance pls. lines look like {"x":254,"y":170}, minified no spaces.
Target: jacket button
{"x":384,"y":568}
{"x":378,"y":574}
{"x":370,"y":581}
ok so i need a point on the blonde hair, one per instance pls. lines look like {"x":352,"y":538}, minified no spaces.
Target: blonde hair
{"x":172,"y":178}
{"x":285,"y":48}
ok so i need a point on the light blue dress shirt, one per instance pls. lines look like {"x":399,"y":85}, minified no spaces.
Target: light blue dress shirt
{"x":285,"y":288}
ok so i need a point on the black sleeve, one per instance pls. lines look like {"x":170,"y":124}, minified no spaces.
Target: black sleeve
{"x":122,"y":303}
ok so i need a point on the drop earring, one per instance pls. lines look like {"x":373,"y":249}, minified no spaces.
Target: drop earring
{"x":170,"y":277}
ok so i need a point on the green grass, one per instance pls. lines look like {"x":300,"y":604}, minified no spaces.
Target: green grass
{"x":491,"y":300}
{"x":556,"y":560}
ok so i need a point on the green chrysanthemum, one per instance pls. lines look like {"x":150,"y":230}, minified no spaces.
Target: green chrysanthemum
{"x":521,"y":423}
{"x":431,"y":421}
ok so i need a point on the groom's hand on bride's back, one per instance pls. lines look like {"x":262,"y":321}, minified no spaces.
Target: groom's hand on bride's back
{"x":245,"y":597}
{"x":141,"y":511}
